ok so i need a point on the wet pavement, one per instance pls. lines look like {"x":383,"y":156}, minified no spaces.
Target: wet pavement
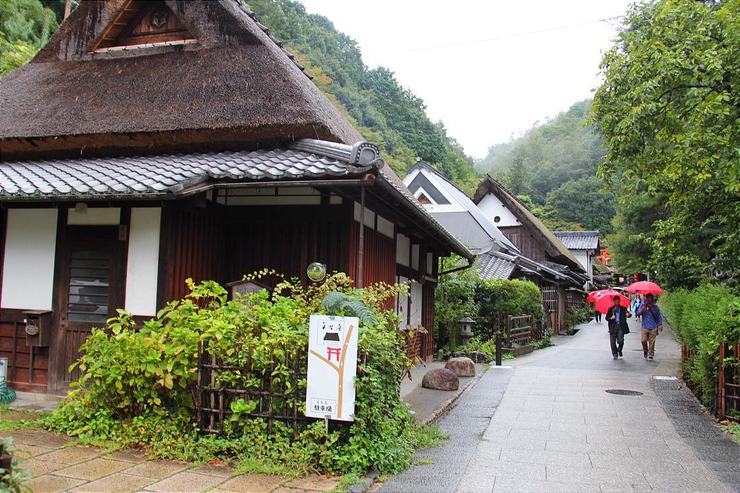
{"x":548,"y":424}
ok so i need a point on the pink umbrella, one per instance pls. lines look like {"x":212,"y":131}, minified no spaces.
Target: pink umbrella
{"x":644,"y":287}
{"x":606,"y":300}
{"x":593,"y":296}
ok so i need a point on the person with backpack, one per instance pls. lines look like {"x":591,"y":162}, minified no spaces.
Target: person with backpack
{"x":651,"y":325}
{"x":616,"y":317}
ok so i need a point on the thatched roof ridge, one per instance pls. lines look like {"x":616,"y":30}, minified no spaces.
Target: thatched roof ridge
{"x":553,"y":245}
{"x":235,"y":85}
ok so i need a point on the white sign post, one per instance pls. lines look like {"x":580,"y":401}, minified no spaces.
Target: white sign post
{"x":332,"y":365}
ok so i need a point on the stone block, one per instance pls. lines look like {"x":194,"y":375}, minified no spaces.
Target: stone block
{"x":440,"y":379}
{"x":185,"y":482}
{"x":462,"y":367}
{"x":252,"y":483}
{"x":93,"y":469}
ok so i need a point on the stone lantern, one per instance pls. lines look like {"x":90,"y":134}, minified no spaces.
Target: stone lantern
{"x":466,"y":329}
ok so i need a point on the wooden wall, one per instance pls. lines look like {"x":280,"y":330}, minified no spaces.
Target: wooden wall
{"x":191,"y":246}
{"x":286,"y":239}
{"x":225,"y":243}
{"x":28,"y":368}
{"x":529,"y":245}
{"x":379,"y":257}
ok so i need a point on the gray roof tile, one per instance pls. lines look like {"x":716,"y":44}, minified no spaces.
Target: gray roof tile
{"x":579,"y":240}
{"x":143,"y":176}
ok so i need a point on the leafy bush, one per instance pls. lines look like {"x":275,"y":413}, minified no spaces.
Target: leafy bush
{"x":12,"y":481}
{"x":454,"y":299}
{"x":575,"y":315}
{"x":704,"y":318}
{"x":501,"y":298}
{"x":488,"y":302}
{"x":476,"y":344}
{"x":137,"y":386}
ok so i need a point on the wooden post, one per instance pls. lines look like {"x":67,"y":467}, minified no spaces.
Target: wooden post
{"x":720,"y":394}
{"x":498,"y":347}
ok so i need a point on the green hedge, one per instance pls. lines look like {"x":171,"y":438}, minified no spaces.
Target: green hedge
{"x":703,"y":318}
{"x":136,"y":387}
{"x":501,"y":298}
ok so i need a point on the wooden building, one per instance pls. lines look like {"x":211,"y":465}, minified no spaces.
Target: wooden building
{"x":564,"y":278}
{"x":150,"y":142}
{"x":507,"y":249}
{"x":584,"y":245}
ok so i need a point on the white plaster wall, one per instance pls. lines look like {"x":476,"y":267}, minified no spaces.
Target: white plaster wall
{"x":142,"y":268}
{"x":385,"y":227}
{"x":402,"y":304}
{"x":28,"y":266}
{"x":492,"y":207}
{"x":416,"y":300}
{"x":582,"y":257}
{"x":403,"y":246}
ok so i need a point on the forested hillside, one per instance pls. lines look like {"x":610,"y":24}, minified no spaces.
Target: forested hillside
{"x":553,"y":166}
{"x":383,"y":111}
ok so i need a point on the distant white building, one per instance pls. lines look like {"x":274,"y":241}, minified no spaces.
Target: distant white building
{"x":584,"y":245}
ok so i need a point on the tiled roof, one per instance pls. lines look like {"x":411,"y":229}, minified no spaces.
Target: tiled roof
{"x":496,"y":266}
{"x":579,"y":240}
{"x":167,"y":176}
{"x":161,"y":175}
{"x":553,"y":245}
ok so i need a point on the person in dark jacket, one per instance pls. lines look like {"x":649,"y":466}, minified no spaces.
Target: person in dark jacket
{"x":616,"y":317}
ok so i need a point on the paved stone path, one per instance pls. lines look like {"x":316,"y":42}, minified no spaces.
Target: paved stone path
{"x":55,"y":466}
{"x":556,"y":429}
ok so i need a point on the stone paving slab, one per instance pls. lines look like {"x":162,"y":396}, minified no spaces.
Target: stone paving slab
{"x":75,"y":468}
{"x":450,"y":460}
{"x":557,"y":429}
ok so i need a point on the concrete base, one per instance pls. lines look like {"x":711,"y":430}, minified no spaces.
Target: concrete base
{"x":32,"y":401}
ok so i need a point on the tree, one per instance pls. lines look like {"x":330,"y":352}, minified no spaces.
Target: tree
{"x":583,"y":202}
{"x":669,"y":111}
{"x":25,"y":26}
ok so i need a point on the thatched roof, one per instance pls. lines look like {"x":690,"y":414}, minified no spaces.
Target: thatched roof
{"x":553,"y":246}
{"x":233,"y":86}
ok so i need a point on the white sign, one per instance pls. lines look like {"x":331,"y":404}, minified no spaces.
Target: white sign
{"x":332,"y":365}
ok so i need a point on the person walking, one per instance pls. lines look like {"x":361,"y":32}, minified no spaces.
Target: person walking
{"x":651,"y":325}
{"x":636,"y":305}
{"x":597,"y":314}
{"x":616,"y":317}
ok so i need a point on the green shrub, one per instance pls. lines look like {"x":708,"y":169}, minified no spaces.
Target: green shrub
{"x":575,"y":315}
{"x":454,"y":299}
{"x":499,"y":298}
{"x":703,"y":318}
{"x":137,"y":386}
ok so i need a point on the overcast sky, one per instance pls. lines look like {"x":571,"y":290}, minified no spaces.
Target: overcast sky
{"x":489,"y":69}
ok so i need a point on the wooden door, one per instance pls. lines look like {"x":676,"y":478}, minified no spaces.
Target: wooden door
{"x":91,"y":288}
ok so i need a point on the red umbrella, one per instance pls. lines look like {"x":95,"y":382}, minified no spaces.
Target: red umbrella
{"x":606,"y":300}
{"x":595,"y":295}
{"x":644,"y":287}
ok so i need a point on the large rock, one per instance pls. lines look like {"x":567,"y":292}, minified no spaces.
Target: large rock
{"x":440,"y":379}
{"x":462,"y":367}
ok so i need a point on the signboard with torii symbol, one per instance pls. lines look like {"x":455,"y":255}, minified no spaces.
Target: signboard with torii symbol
{"x":332,"y":366}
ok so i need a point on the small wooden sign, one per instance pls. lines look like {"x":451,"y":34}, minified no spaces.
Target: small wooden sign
{"x":332,"y":366}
